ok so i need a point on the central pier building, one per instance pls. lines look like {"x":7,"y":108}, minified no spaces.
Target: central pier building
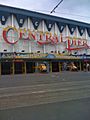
{"x":29,"y":39}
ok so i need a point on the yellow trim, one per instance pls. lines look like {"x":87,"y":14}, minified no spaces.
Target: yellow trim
{"x":60,"y":67}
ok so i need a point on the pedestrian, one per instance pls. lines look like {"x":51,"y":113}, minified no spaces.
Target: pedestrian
{"x":64,"y":66}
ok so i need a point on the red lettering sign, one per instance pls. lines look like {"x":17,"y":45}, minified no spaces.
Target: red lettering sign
{"x":5,"y":35}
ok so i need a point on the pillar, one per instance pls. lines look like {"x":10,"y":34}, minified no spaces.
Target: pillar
{"x":50,"y":66}
{"x":60,"y":67}
{"x":80,"y":65}
{"x":13,"y":68}
{"x":0,"y":68}
{"x":36,"y":67}
{"x":25,"y":70}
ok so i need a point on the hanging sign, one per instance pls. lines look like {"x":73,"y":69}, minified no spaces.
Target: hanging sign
{"x":20,"y":19}
{"x":49,"y":24}
{"x":71,"y":28}
{"x":61,"y":26}
{"x":81,"y":30}
{"x":3,"y":17}
{"x":36,"y":22}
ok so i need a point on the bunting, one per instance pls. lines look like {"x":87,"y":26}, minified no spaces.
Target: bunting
{"x":36,"y":22}
{"x":81,"y":30}
{"x":49,"y":24}
{"x":20,"y":19}
{"x":71,"y":28}
{"x":61,"y":26}
{"x":3,"y":17}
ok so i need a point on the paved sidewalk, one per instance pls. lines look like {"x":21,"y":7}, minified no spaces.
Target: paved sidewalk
{"x":41,"y":78}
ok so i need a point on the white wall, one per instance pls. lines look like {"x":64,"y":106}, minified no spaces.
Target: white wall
{"x":31,"y":46}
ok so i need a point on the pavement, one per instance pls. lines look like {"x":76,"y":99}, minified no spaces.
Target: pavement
{"x":42,"y":78}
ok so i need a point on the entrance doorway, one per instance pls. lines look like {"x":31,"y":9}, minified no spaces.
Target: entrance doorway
{"x":6,"y":68}
{"x":18,"y":66}
{"x":30,"y":67}
{"x":55,"y":66}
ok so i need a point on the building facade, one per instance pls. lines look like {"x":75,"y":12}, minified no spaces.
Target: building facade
{"x":28,"y":39}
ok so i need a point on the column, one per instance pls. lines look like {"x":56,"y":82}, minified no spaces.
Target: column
{"x":80,"y":65}
{"x":60,"y":67}
{"x":13,"y":69}
{"x":25,"y":70}
{"x":12,"y":24}
{"x":0,"y":68}
{"x":29,"y":42}
{"x":50,"y":66}
{"x":36,"y":67}
{"x":43,"y":29}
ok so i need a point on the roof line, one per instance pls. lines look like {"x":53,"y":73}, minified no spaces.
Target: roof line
{"x":29,"y":13}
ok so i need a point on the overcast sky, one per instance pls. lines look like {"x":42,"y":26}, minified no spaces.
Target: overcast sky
{"x":72,"y":9}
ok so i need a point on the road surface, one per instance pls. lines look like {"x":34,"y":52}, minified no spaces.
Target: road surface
{"x":69,"y":110}
{"x":53,"y":96}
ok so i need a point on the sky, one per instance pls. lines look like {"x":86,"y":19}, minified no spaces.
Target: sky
{"x":72,"y":9}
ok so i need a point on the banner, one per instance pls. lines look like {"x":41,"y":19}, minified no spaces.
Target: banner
{"x":20,"y":19}
{"x":71,"y":28}
{"x":81,"y":30}
{"x":3,"y":17}
{"x":61,"y":26}
{"x":36,"y":22}
{"x":49,"y":24}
